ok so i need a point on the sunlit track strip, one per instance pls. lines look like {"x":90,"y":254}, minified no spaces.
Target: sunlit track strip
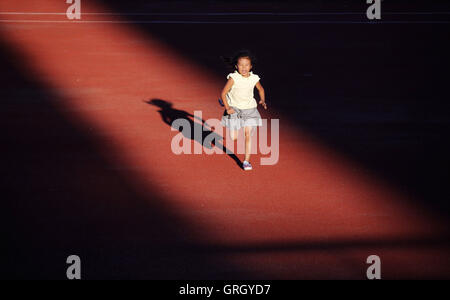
{"x":228,"y":22}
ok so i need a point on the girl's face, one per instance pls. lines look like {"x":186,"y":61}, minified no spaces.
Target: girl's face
{"x":244,"y":66}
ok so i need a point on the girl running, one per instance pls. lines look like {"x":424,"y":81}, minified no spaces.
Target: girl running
{"x":240,"y":105}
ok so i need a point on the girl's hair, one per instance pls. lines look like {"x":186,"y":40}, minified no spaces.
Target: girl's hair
{"x":232,"y":61}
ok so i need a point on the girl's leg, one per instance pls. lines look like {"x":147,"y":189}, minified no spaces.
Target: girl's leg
{"x":234,"y":134}
{"x":248,"y":142}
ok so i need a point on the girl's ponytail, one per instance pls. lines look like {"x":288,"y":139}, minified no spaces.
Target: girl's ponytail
{"x":228,"y":61}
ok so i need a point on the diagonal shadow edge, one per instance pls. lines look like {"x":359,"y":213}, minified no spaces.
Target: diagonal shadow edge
{"x":388,"y":149}
{"x":61,"y":197}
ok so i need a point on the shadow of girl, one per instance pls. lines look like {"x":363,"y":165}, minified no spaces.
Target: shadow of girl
{"x":170,"y":114}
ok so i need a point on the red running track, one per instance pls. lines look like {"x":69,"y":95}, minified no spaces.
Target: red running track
{"x":314,"y":214}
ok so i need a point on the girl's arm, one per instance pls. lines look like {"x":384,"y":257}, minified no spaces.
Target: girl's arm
{"x":262,"y":96}
{"x":224,"y":93}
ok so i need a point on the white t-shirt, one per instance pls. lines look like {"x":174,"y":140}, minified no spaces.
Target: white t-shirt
{"x":241,"y":93}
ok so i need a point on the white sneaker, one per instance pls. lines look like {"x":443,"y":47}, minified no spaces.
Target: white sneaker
{"x":247,"y":166}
